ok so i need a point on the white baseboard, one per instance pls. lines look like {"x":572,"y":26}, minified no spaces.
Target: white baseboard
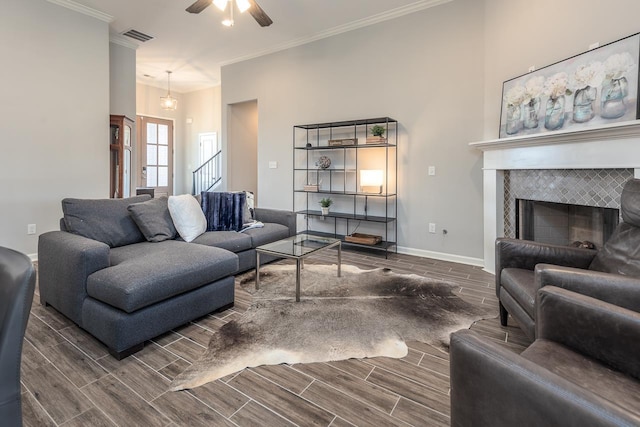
{"x":34,"y":257}
{"x":442,"y":256}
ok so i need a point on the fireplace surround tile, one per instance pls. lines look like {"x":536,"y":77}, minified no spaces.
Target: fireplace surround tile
{"x":587,"y":187}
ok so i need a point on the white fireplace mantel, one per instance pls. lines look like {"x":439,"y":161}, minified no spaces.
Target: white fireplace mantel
{"x":614,"y":146}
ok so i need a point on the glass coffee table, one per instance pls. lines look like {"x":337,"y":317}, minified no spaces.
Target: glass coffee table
{"x":297,"y":247}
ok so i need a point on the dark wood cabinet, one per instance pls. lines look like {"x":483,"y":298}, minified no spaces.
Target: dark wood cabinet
{"x":120,"y":156}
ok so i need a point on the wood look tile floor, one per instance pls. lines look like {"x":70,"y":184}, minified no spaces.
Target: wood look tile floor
{"x":69,"y":379}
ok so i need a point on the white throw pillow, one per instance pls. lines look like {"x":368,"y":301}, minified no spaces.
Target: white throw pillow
{"x":187,"y":216}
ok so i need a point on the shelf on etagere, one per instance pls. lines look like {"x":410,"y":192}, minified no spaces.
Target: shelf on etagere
{"x":347,"y":193}
{"x":342,"y":147}
{"x":325,"y":170}
{"x":348,"y":215}
{"x":383,"y":245}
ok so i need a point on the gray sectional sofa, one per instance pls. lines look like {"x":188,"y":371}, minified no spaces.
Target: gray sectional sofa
{"x":101,"y":272}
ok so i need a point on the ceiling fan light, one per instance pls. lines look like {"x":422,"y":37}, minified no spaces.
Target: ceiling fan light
{"x":243,"y":5}
{"x":220,"y":4}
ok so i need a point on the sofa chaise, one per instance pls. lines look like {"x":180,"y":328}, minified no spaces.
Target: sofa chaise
{"x":112,"y":280}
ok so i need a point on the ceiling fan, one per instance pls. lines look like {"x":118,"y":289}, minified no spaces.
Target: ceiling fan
{"x":256,"y":11}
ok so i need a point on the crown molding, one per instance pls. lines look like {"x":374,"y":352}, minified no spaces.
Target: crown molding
{"x":70,"y":4}
{"x":123,"y":41}
{"x":354,"y":25}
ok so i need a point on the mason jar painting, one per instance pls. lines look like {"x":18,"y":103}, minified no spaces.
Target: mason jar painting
{"x":595,"y":88}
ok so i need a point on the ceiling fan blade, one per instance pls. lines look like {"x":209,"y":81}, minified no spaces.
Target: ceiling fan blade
{"x":259,"y":15}
{"x":198,"y":6}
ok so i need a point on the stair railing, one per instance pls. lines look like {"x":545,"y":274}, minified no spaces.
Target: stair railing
{"x":208,"y":174}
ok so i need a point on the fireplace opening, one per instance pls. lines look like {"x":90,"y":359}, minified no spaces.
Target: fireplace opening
{"x":563,"y":224}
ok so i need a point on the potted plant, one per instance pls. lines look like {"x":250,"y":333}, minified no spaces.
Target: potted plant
{"x":324,"y":204}
{"x":378,"y":134}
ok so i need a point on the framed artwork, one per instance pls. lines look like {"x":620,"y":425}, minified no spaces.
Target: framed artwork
{"x":591,"y":89}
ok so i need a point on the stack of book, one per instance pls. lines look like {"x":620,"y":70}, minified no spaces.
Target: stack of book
{"x":343,"y":141}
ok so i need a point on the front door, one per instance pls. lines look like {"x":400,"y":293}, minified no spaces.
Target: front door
{"x":155,"y":141}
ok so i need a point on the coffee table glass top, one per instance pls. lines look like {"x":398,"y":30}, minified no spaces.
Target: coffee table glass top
{"x":298,"y":246}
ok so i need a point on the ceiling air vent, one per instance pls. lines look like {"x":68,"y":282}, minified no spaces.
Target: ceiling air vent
{"x":137,"y":35}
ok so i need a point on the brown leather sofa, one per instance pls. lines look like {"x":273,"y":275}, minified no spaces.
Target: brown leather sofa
{"x":583,"y":369}
{"x":611,"y":274}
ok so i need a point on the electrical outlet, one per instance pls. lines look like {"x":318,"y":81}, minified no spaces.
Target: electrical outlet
{"x":31,"y":229}
{"x":273,"y":165}
{"x":432,"y":170}
{"x":432,"y":227}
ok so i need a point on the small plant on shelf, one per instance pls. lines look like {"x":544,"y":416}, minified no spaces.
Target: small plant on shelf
{"x":377,"y":130}
{"x":378,"y":135}
{"x":324,"y":204}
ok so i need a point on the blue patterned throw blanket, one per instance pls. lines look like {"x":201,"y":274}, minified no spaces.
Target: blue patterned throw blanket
{"x":223,"y":210}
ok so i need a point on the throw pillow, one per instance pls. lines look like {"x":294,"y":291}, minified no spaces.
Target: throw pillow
{"x":248,"y":207}
{"x":153,"y":219}
{"x":105,"y":220}
{"x":224,"y":210}
{"x":187,"y":216}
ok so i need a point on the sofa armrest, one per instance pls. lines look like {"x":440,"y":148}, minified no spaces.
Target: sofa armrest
{"x":65,"y":260}
{"x":517,"y":253}
{"x":491,"y":385}
{"x":286,"y":218}
{"x":589,"y":326}
{"x":623,"y":291}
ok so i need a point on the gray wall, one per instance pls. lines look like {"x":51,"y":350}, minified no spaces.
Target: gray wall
{"x":54,"y":115}
{"x":242,"y":147}
{"x":202,"y":107}
{"x":427,"y":71}
{"x":519,"y":34}
{"x":122,"y":95}
{"x":440,"y":73}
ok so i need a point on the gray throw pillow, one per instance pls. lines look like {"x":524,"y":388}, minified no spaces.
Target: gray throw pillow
{"x":153,"y":219}
{"x":105,"y":220}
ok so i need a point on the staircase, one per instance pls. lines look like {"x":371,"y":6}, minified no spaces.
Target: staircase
{"x":208,"y":175}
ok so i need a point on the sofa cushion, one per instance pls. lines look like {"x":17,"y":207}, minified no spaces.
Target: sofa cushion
{"x":145,"y":273}
{"x":621,"y":253}
{"x":153,"y":219}
{"x":105,"y":220}
{"x":587,"y":373}
{"x":187,"y":216}
{"x":520,"y":283}
{"x":267,"y":234}
{"x":229,"y":240}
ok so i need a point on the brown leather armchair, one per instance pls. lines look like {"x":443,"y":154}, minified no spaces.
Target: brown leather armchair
{"x":17,"y":282}
{"x":611,"y":274}
{"x":583,"y":369}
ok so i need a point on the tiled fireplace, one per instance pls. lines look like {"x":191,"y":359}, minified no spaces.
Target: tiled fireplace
{"x":584,"y":168}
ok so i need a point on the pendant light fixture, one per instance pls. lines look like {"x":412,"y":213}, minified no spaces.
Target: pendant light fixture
{"x":168,"y":102}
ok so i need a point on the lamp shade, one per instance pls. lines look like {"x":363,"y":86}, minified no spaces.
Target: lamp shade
{"x":372,"y":178}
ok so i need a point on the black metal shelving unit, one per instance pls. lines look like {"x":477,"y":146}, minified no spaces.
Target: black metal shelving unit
{"x":354,"y":210}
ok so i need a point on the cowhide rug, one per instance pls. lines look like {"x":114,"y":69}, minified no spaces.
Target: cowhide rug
{"x":364,"y":313}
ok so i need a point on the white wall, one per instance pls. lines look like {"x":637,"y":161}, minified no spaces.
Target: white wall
{"x":54,"y":115}
{"x":427,"y":71}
